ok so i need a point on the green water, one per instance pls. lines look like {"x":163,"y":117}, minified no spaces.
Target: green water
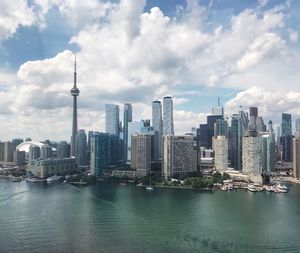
{"x":108,"y":218}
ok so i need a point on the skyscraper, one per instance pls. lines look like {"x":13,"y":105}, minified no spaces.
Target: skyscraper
{"x":45,"y":152}
{"x":296,"y":157}
{"x":253,"y":117}
{"x":286,"y":139}
{"x":34,"y":153}
{"x":141,"y":154}
{"x":297,"y":124}
{"x":81,"y":148}
{"x":168,"y":126}
{"x":103,"y":152}
{"x":260,"y":125}
{"x":251,"y":153}
{"x":63,"y":149}
{"x":286,"y":124}
{"x":157,"y":125}
{"x":74,"y":93}
{"x":179,"y":156}
{"x":126,"y":120}
{"x":112,"y":119}
{"x":267,"y":140}
{"x":138,"y":127}
{"x":218,"y":110}
{"x":221,"y":152}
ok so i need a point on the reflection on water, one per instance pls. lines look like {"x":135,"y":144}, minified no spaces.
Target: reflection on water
{"x":107,"y":217}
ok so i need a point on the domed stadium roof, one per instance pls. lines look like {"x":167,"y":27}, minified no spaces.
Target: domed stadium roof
{"x":24,"y":146}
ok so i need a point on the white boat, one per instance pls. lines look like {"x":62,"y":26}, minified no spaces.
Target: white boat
{"x":224,"y":188}
{"x":16,"y":179}
{"x":270,"y":188}
{"x":230,"y":187}
{"x":281,"y":188}
{"x":32,"y":180}
{"x":53,"y":179}
{"x":251,"y":188}
{"x":149,"y":188}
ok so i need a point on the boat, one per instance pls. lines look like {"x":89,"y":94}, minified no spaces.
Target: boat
{"x":251,"y":188}
{"x":149,"y":188}
{"x":224,"y":188}
{"x":230,"y":187}
{"x":53,"y":179}
{"x":123,"y":184}
{"x":32,"y":180}
{"x":270,"y":188}
{"x":16,"y":179}
{"x":281,"y":188}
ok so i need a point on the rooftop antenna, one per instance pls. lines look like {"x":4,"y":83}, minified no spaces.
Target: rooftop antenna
{"x":219,"y":101}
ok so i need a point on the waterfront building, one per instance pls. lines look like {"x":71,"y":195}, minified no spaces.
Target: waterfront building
{"x":19,"y":158}
{"x":251,"y":153}
{"x":221,"y":153}
{"x":45,"y":152}
{"x":90,"y":134}
{"x":1,"y":152}
{"x":179,"y":156}
{"x":286,"y":142}
{"x":81,"y":148}
{"x":9,"y":149}
{"x":268,"y":155}
{"x":296,"y":157}
{"x":34,"y":153}
{"x":74,"y":93}
{"x":112,"y":119}
{"x":168,"y":125}
{"x":139,"y":127}
{"x":141,"y":154}
{"x":104,"y":152}
{"x":157,"y":126}
{"x":126,"y":119}
{"x":50,"y":167}
{"x":63,"y":149}
{"x":239,"y":124}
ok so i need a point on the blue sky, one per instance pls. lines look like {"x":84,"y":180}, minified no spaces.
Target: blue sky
{"x":246,"y":52}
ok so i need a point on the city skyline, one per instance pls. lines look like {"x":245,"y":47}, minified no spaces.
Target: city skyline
{"x":34,"y":89}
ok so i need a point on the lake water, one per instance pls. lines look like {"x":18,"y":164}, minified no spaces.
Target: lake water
{"x":107,"y":217}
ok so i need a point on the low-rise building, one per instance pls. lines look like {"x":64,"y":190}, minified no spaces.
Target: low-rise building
{"x":50,"y":167}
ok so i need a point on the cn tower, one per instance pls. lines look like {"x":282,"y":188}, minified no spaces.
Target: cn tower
{"x":74,"y":93}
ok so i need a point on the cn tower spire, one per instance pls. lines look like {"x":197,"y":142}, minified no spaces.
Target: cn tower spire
{"x":74,"y":93}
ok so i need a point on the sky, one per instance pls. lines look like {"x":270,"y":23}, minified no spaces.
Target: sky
{"x":245,"y":52}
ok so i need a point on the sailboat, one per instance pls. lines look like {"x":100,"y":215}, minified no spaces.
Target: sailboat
{"x":149,"y":187}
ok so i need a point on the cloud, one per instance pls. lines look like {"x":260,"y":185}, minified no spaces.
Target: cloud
{"x":293,"y":35}
{"x":270,"y":103}
{"x":129,"y":55}
{"x":264,"y":47}
{"x":14,"y":14}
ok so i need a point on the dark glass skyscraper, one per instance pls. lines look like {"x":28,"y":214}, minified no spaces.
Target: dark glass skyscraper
{"x":286,"y":124}
{"x":127,"y":119}
{"x":157,"y":126}
{"x":103,"y":152}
